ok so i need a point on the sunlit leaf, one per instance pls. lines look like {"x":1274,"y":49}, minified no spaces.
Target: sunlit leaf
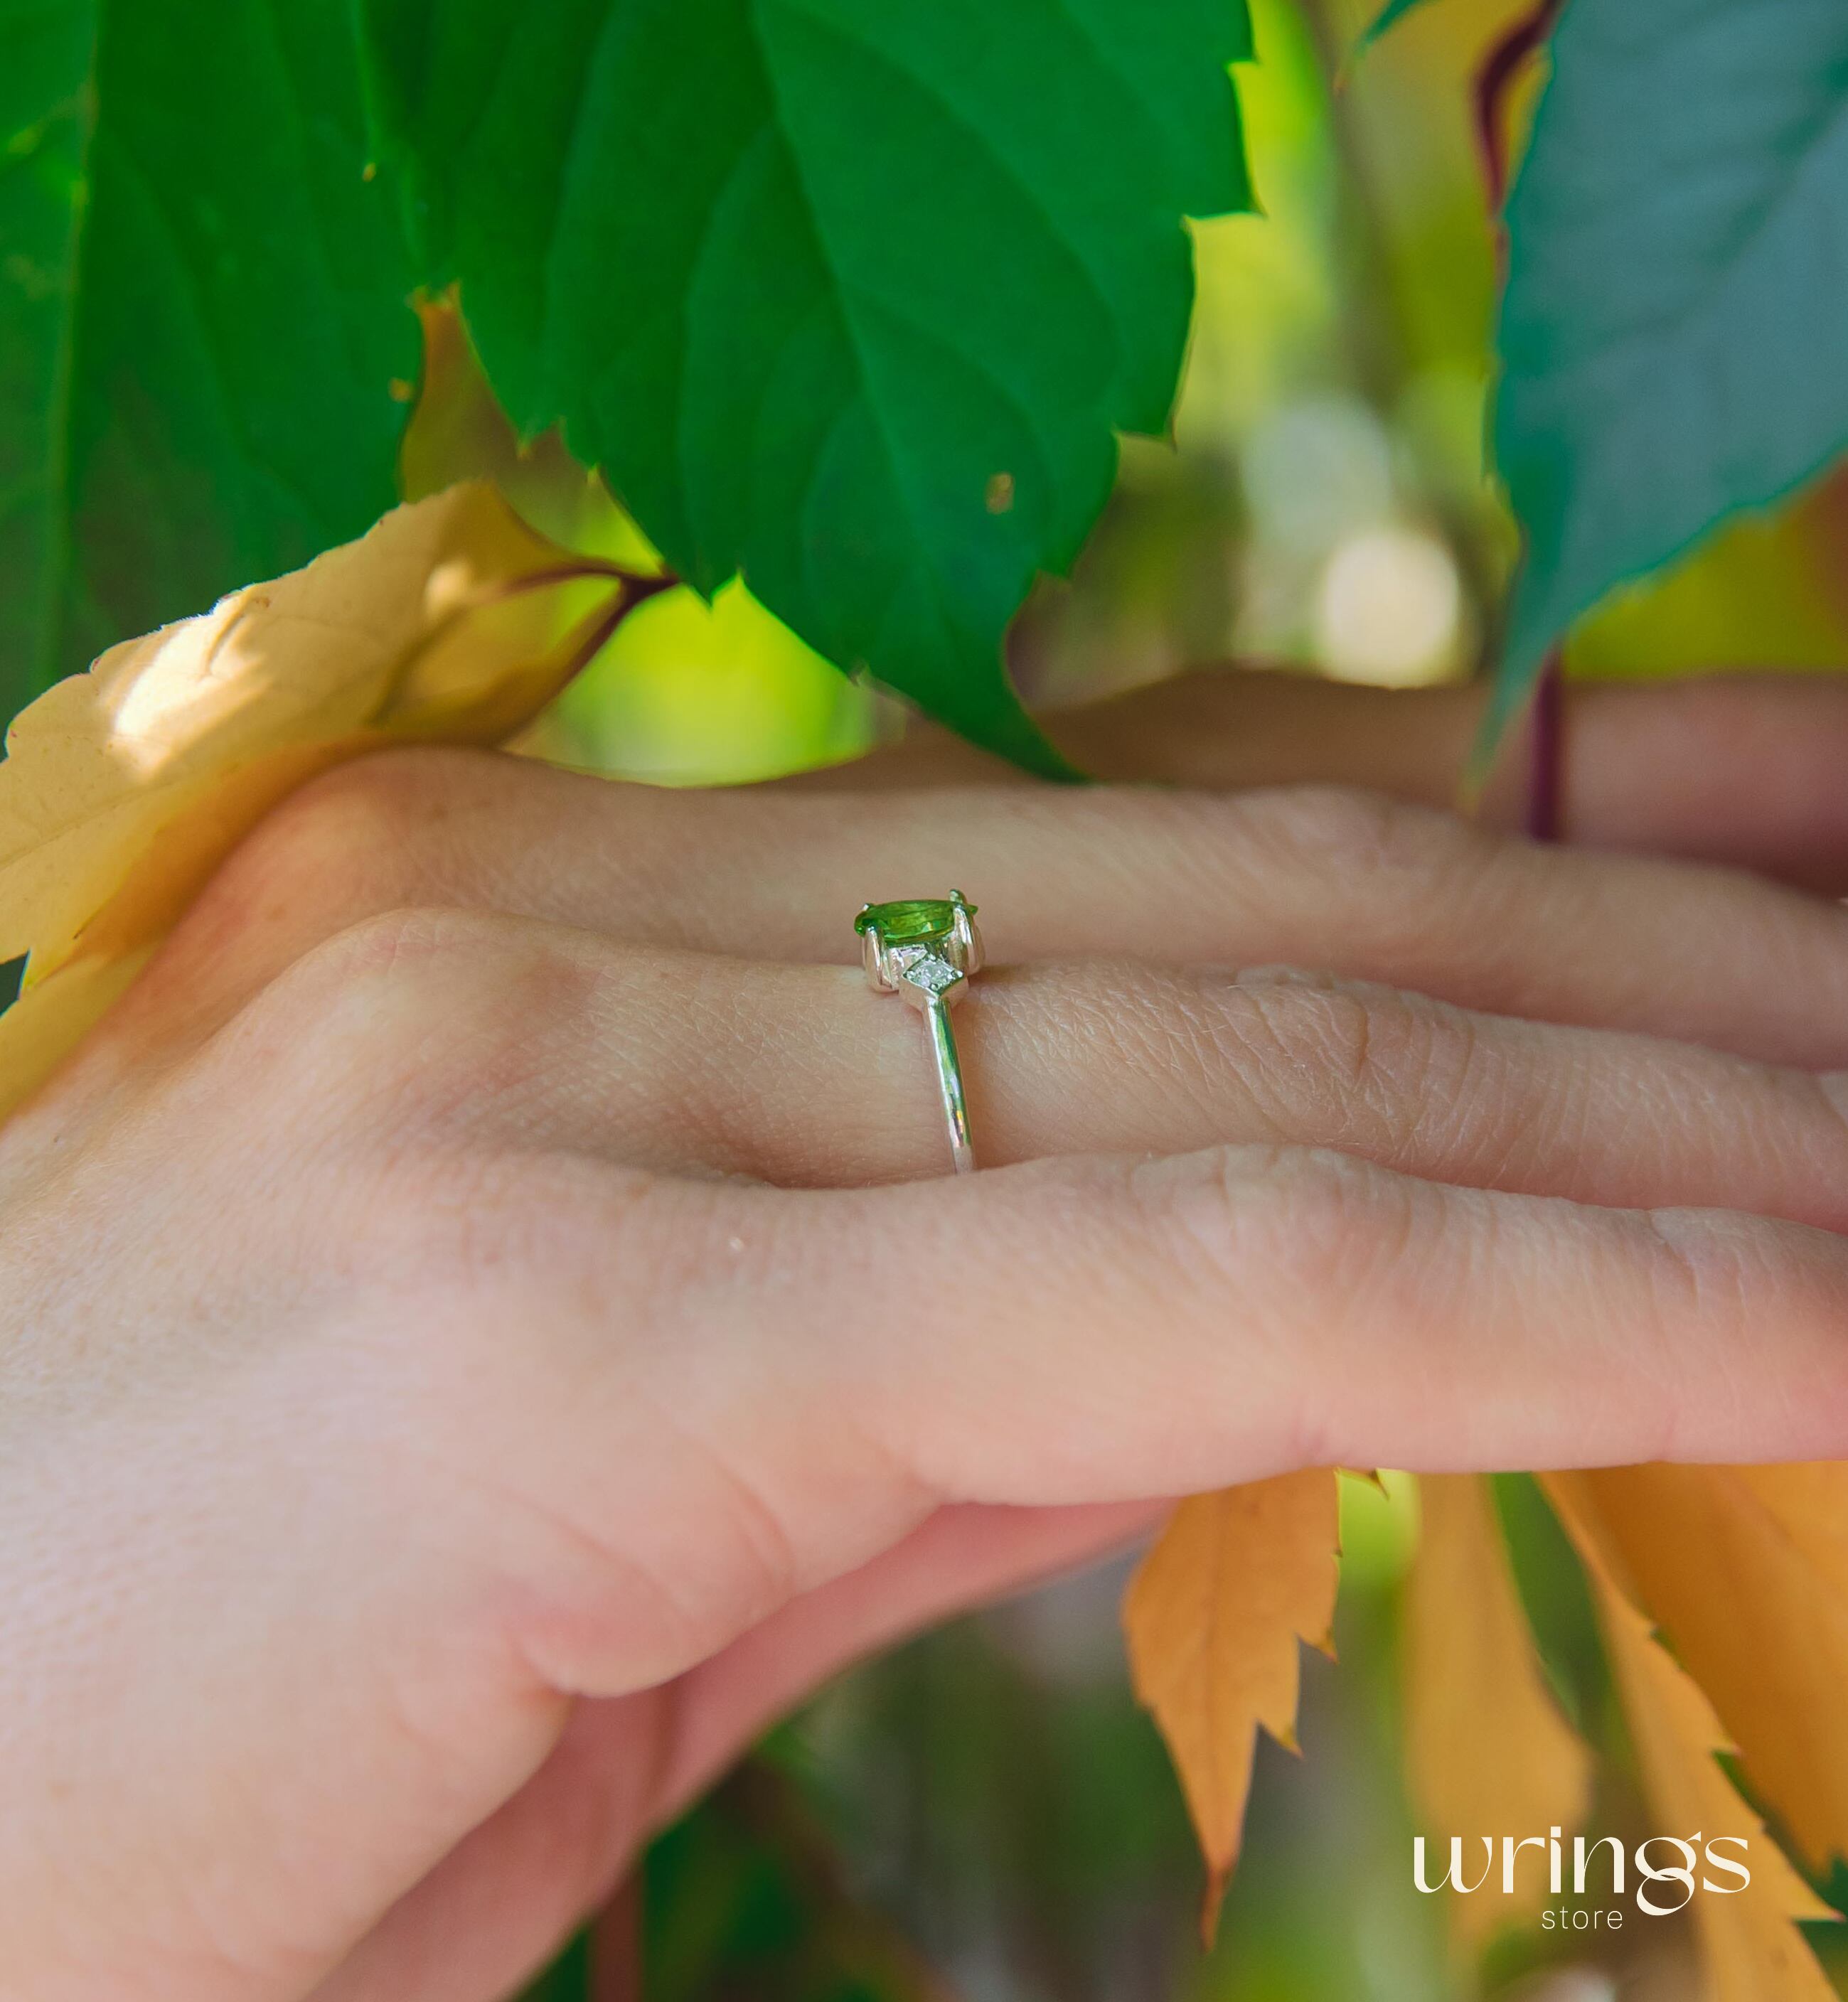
{"x":849,"y":297}
{"x":1487,"y":1747}
{"x":123,"y":788}
{"x":458,"y":432}
{"x":1214,"y":1616}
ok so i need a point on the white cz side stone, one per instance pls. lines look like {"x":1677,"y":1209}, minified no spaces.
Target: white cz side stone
{"x":931,"y":974}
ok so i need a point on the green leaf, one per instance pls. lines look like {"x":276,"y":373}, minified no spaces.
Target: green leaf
{"x":746,"y":1895}
{"x":850,"y":296}
{"x":1670,"y":337}
{"x":569,"y":1978}
{"x":202,"y":312}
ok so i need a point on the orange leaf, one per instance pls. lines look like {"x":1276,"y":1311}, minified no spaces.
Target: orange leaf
{"x":1212,"y":1616}
{"x":1487,"y":1747}
{"x":1746,"y":1569}
{"x":1751,"y":1949}
{"x":124,"y":787}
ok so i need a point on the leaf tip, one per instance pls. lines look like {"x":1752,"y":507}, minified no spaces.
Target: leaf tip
{"x":1212,"y":1898}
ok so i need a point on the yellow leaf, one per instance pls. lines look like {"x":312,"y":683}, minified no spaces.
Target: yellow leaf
{"x":124,"y":787}
{"x":1745,"y":1571}
{"x":1486,"y":1748}
{"x":1808,"y":1500}
{"x":1750,"y":1948}
{"x":1212,"y":1616}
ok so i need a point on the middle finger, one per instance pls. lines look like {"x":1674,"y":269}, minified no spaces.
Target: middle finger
{"x":1363,"y":886}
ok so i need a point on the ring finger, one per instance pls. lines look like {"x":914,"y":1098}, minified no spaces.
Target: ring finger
{"x":555,"y":1040}
{"x":1362,"y":886}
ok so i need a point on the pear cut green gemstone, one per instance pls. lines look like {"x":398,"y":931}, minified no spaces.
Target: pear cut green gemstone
{"x":912,"y":921}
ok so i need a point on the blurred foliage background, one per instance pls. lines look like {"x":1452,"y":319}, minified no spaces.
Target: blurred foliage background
{"x":1325,"y":509}
{"x":985,"y":1815}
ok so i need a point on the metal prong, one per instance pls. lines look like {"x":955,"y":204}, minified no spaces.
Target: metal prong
{"x":966,"y":934}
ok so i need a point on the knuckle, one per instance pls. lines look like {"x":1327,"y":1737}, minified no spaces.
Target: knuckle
{"x":1406,"y":876}
{"x":1311,"y":1251}
{"x":405,"y":1013}
{"x":342,"y":845}
{"x":1282,"y":1221}
{"x":1348,"y":1063}
{"x":398,"y":954}
{"x":1297,"y":1029}
{"x":353,"y":843}
{"x":1346,"y":827}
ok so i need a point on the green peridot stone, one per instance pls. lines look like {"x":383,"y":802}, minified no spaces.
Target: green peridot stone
{"x":912,"y":921}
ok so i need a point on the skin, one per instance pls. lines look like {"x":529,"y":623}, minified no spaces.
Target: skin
{"x":485,"y":1328}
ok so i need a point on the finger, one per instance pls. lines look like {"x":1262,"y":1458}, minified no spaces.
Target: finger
{"x":838,"y":1364}
{"x":1357,"y":885}
{"x":960,"y":1558}
{"x":1740,"y":768}
{"x":555,"y":1040}
{"x":1117,"y":1329}
{"x":506,"y":1898}
{"x":532,"y":1871}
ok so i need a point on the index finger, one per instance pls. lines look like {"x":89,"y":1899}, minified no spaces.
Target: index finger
{"x":1110,"y":1330}
{"x":1103,"y":1330}
{"x":838,"y":1364}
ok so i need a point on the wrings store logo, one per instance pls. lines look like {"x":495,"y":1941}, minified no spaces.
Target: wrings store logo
{"x":1663,"y":1873}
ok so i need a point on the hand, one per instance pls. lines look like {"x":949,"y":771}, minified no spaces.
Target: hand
{"x":462,"y":1374}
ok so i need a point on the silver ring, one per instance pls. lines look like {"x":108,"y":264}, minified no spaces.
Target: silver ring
{"x":927,"y":948}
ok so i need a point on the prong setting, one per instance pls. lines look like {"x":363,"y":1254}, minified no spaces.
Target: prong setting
{"x":923,"y":947}
{"x":966,"y":936}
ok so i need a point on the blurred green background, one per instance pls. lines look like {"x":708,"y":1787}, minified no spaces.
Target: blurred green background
{"x":985,"y":1815}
